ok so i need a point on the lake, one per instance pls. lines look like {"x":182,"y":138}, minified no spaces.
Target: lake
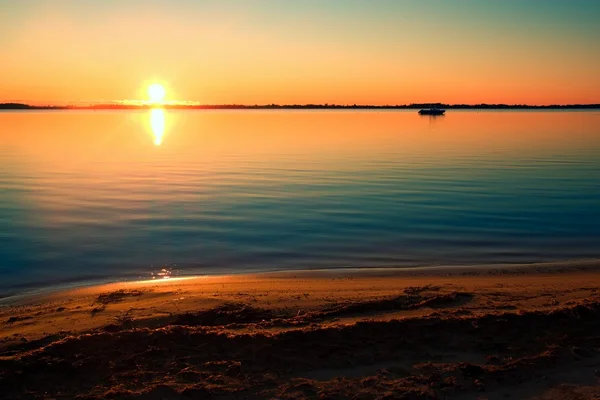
{"x":91,"y":197}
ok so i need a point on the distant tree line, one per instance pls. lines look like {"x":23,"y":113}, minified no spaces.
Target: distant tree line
{"x":21,"y":106}
{"x":115,"y":106}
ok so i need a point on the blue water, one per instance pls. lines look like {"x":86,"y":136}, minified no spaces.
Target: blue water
{"x":88,"y":197}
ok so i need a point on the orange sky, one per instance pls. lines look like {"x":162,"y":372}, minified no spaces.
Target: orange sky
{"x":344,"y":52}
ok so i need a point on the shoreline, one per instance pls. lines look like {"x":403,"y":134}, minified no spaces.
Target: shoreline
{"x":36,"y":292}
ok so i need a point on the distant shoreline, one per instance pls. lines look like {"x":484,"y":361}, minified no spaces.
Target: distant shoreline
{"x":23,"y":106}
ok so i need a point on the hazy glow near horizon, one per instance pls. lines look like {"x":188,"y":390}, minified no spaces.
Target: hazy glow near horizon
{"x":271,"y":51}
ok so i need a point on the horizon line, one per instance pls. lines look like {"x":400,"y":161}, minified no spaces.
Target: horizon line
{"x":143,"y":105}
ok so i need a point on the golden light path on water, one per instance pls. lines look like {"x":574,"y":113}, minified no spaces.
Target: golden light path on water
{"x":157,"y":124}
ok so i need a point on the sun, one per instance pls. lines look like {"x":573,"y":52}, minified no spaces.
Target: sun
{"x":157,"y":92}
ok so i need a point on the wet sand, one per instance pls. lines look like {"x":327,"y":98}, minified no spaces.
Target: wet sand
{"x":441,"y":333}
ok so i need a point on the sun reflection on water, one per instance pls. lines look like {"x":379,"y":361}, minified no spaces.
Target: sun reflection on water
{"x":168,"y":271}
{"x":157,"y":124}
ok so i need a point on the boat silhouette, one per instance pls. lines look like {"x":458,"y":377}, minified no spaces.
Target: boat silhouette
{"x":432,"y":111}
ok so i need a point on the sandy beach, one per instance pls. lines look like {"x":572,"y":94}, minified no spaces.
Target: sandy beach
{"x":440,"y":333}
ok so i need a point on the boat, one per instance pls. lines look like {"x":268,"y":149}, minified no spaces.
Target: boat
{"x":432,"y":111}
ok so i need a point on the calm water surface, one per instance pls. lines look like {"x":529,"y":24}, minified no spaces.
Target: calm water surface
{"x":92,"y":196}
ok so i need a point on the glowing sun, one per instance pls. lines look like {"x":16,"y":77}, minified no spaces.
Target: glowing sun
{"x":157,"y":92}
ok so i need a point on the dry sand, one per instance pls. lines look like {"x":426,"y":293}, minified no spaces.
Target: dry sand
{"x":442,"y":333}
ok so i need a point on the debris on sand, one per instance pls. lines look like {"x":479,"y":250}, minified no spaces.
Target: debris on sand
{"x":117,"y":296}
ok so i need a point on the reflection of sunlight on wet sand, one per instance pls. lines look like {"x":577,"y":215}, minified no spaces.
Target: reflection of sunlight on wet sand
{"x":158,"y":281}
{"x":157,"y":124}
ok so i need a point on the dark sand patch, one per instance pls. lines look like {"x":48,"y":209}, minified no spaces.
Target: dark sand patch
{"x":422,"y":356}
{"x":236,"y":315}
{"x":117,"y":296}
{"x":12,"y":320}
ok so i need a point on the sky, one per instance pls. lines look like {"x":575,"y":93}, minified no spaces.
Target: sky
{"x":298,"y":52}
